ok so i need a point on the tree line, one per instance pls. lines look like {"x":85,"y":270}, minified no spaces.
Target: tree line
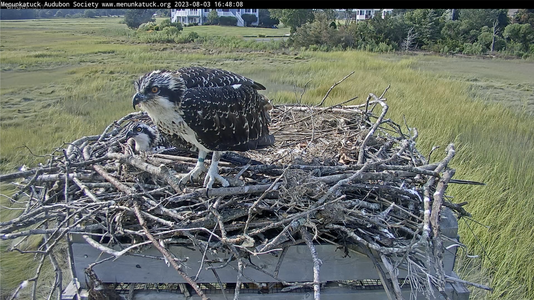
{"x":447,"y":31}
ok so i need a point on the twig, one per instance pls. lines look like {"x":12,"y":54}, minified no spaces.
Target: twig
{"x":381,"y":274}
{"x":251,"y":209}
{"x":361,"y":155}
{"x":110,"y":251}
{"x":161,"y":171}
{"x":478,"y":285}
{"x":332,"y":87}
{"x":240,"y":267}
{"x":316,"y":263}
{"x":393,"y":276}
{"x":166,"y":254}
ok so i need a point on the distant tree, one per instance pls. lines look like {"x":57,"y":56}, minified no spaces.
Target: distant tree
{"x":135,"y":17}
{"x":330,"y":14}
{"x":213,"y":17}
{"x":293,"y":18}
{"x":400,"y":12}
{"x":265,"y":19}
{"x":15,"y":14}
{"x":408,"y":43}
{"x":249,"y":19}
{"x":520,"y":34}
{"x":524,"y":16}
{"x":90,"y":13}
{"x":475,"y":19}
{"x":426,"y":25}
{"x":320,"y":35}
{"x":164,"y":13}
{"x":348,"y":15}
{"x":45,"y":13}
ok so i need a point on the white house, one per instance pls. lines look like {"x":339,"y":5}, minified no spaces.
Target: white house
{"x":364,"y":14}
{"x":200,"y":16}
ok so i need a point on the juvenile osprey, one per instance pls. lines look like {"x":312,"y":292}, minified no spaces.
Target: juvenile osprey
{"x":147,"y":139}
{"x":213,"y":109}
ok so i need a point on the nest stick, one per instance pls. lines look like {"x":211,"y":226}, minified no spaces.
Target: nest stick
{"x":162,"y":171}
{"x":458,"y":280}
{"x":110,"y":251}
{"x":381,"y":274}
{"x":361,"y":155}
{"x":393,"y":276}
{"x":316,"y":263}
{"x":166,"y":253}
{"x":333,"y":86}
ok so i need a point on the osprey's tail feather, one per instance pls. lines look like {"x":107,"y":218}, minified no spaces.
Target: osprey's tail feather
{"x":263,"y":142}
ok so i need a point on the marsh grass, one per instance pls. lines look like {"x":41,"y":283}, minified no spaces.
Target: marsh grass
{"x":79,"y":78}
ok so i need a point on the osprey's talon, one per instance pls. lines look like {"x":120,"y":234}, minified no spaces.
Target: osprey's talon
{"x":210,"y":178}
{"x":193,"y":174}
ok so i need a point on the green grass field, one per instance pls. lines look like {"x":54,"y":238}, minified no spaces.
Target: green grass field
{"x":65,"y":78}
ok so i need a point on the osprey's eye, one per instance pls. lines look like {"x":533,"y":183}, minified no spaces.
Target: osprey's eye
{"x":155,"y":89}
{"x":139,"y":129}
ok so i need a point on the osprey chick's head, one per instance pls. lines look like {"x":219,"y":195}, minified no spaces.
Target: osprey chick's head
{"x":145,"y":137}
{"x":158,"y":87}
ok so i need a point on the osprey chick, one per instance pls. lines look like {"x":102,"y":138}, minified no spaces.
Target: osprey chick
{"x":145,"y":137}
{"x":213,"y":109}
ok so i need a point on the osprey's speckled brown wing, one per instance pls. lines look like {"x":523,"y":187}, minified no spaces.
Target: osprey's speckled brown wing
{"x":207,"y":77}
{"x":228,"y":117}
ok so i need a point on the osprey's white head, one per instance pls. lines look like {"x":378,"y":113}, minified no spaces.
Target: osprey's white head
{"x":158,"y":90}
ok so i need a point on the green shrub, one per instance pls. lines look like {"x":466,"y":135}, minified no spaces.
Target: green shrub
{"x":249,"y":19}
{"x":188,"y":38}
{"x":165,"y":23}
{"x":228,"y":21}
{"x":90,"y":13}
{"x":171,"y":31}
{"x":383,"y":47}
{"x":147,"y":26}
{"x":322,"y":35}
{"x":178,"y":26}
{"x":135,"y":17}
{"x":192,"y":36}
{"x":474,"y":49}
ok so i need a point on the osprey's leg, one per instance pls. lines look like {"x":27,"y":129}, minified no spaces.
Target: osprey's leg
{"x":213,"y":172}
{"x":197,"y":170}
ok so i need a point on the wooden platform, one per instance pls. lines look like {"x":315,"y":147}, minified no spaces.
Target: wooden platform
{"x":296,"y":266}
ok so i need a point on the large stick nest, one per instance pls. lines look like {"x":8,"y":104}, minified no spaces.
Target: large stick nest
{"x":338,"y":175}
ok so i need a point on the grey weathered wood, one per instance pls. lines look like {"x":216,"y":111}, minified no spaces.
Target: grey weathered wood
{"x":459,"y":291}
{"x":328,"y":293}
{"x":297,"y":266}
{"x":71,"y":291}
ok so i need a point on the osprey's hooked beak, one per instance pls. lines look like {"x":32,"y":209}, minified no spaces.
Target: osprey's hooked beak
{"x":138,"y":98}
{"x":131,"y":133}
